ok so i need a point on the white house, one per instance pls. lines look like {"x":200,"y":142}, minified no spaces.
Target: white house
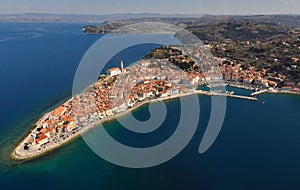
{"x":114,"y":71}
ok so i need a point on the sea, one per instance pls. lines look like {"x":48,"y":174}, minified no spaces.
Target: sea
{"x":257,"y":148}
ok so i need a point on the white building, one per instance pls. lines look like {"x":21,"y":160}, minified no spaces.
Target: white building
{"x":114,"y":71}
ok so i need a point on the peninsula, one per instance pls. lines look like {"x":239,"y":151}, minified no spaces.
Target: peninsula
{"x":166,"y":73}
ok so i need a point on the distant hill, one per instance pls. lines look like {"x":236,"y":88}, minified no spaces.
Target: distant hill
{"x":45,"y":17}
{"x":267,"y":42}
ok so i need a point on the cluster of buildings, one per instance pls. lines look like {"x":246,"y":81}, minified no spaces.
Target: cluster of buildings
{"x":214,"y":73}
{"x":151,"y":78}
{"x":235,"y":73}
{"x":208,"y":71}
{"x":250,"y":76}
{"x":115,"y":92}
{"x":49,"y":129}
{"x":122,"y":88}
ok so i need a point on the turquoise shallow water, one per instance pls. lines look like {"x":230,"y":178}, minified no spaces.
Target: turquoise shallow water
{"x":258,"y":147}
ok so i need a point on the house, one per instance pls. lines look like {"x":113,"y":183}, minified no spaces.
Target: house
{"x":235,"y":78}
{"x":46,"y":131}
{"x":141,"y":95}
{"x":114,"y":71}
{"x":101,"y":114}
{"x":163,"y":94}
{"x":168,"y":84}
{"x":144,"y":81}
{"x":174,"y":91}
{"x":292,"y":84}
{"x":258,"y":81}
{"x":71,"y":125}
{"x":248,"y":80}
{"x":109,"y":112}
{"x":41,"y":139}
{"x":227,"y":77}
{"x":58,"y":112}
{"x":286,"y":88}
{"x":208,"y":78}
{"x":46,"y":123}
{"x":272,"y":83}
{"x":149,"y":93}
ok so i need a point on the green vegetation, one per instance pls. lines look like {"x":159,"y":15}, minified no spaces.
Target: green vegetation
{"x":271,"y":46}
{"x":266,"y":42}
{"x":173,"y":55}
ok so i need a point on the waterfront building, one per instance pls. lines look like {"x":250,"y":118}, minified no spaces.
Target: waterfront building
{"x":114,"y":71}
{"x":248,"y":80}
{"x":286,"y":88}
{"x":41,"y":139}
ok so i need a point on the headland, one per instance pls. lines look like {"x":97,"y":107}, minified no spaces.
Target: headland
{"x":147,"y":81}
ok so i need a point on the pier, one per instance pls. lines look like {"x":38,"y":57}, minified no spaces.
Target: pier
{"x":259,"y":92}
{"x":242,"y":97}
{"x":225,"y":94}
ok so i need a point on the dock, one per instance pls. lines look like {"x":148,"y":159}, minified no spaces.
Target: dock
{"x":243,"y":97}
{"x":227,"y":95}
{"x":259,"y":92}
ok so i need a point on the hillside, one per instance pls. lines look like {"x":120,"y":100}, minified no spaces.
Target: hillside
{"x":266,"y":42}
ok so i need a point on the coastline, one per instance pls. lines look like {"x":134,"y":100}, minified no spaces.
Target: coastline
{"x":18,"y":157}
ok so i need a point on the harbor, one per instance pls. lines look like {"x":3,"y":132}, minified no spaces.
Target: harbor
{"x":208,"y":93}
{"x":122,"y":90}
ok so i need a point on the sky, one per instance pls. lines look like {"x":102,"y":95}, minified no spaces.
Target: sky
{"x":151,"y":6}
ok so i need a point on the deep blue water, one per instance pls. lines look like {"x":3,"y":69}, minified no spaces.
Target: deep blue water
{"x":258,"y":147}
{"x":37,"y":67}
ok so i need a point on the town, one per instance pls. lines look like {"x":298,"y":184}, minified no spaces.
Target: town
{"x":167,"y":72}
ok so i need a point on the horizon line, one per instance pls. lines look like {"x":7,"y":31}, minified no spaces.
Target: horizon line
{"x":153,"y":13}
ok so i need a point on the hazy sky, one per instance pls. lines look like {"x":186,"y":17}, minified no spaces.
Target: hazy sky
{"x":151,"y":6}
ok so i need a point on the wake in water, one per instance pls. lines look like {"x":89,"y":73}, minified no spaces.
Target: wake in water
{"x":19,"y":36}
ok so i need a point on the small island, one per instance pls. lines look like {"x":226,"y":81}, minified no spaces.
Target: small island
{"x":166,"y":73}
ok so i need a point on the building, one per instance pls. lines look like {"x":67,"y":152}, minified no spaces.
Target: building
{"x":114,"y":71}
{"x":141,"y":95}
{"x":286,"y":88}
{"x":101,"y":114}
{"x":292,"y":84}
{"x":227,"y":77}
{"x":109,"y":112}
{"x":58,"y":112}
{"x":71,"y":125}
{"x":41,"y":139}
{"x":164,"y":94}
{"x":248,"y":80}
